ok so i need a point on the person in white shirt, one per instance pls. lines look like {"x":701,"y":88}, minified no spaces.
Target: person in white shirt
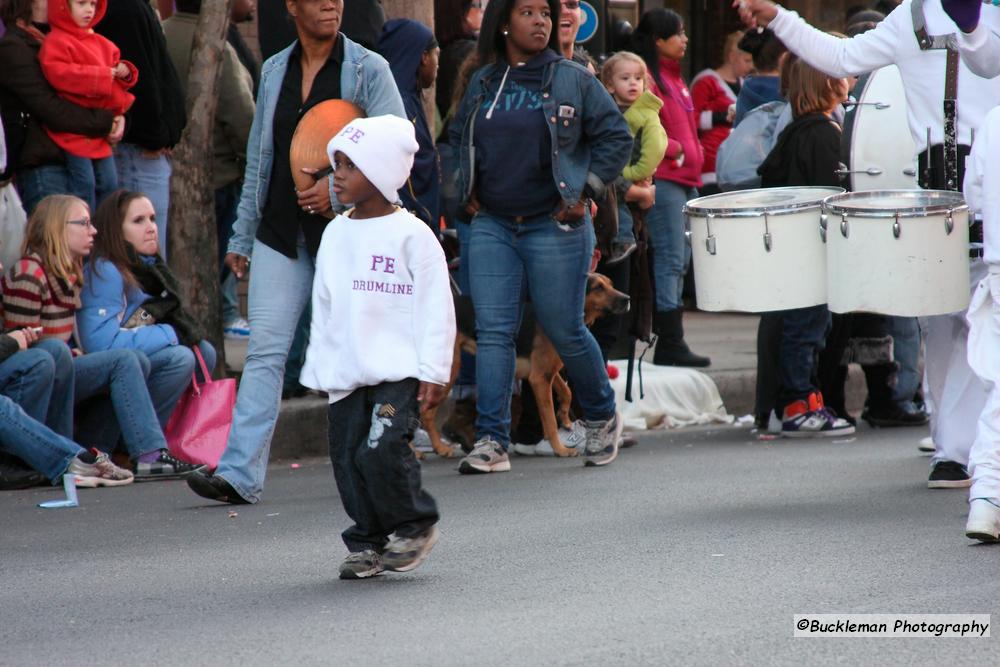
{"x":982,"y":192}
{"x":381,"y":345}
{"x":923,"y":38}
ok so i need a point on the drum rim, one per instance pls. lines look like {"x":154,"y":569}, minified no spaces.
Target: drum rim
{"x":834,"y":204}
{"x":693,"y":207}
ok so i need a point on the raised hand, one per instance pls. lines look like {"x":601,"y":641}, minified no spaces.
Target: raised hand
{"x":756,"y":13}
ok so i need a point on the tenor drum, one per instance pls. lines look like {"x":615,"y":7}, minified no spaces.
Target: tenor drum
{"x":759,"y":250}
{"x":877,"y":147}
{"x":898,"y":252}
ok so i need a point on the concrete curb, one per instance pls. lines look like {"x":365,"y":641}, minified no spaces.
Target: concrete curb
{"x":301,"y":429}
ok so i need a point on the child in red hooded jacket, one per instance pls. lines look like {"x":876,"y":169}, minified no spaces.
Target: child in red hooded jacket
{"x":86,"y":69}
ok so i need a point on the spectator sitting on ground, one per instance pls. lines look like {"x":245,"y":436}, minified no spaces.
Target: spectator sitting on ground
{"x":87,"y":69}
{"x":26,"y":375}
{"x":413,"y":54}
{"x":28,"y":104}
{"x":42,"y":290}
{"x":131,"y":300}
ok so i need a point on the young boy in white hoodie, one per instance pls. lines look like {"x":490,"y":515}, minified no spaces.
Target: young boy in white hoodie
{"x":381,"y":345}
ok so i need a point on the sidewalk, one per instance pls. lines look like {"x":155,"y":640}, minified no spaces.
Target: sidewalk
{"x":730,"y":340}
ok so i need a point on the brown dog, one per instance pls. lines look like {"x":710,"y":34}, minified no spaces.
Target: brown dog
{"x":540,"y":365}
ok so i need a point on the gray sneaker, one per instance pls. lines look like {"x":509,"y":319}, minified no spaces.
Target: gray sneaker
{"x":361,"y":565}
{"x":101,"y":472}
{"x":603,"y":438}
{"x":573,"y":438}
{"x":487,"y":456}
{"x":407,"y":553}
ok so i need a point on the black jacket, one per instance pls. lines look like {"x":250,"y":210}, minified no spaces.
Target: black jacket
{"x":157,"y":117}
{"x":27,"y":102}
{"x":807,"y":153}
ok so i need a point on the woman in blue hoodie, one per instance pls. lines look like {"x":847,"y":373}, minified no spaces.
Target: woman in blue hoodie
{"x":412,"y":52}
{"x":538,"y":138}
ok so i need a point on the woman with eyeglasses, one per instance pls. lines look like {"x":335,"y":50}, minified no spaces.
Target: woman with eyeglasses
{"x":662,"y":43}
{"x":42,"y":291}
{"x":131,"y":300}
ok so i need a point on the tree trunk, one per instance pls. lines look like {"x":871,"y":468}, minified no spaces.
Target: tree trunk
{"x":192,"y":244}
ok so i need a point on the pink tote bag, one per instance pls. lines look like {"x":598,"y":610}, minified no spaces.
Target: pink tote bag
{"x":199,"y":426}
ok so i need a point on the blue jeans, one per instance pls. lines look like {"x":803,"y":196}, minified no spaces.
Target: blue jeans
{"x":279,"y":290}
{"x":170,"y":372}
{"x":36,"y":184}
{"x":151,"y":177}
{"x":33,"y":442}
{"x":551,"y":262}
{"x":91,"y":180}
{"x":905,"y":333}
{"x":227,"y":198}
{"x":56,"y":411}
{"x":671,"y":252}
{"x":803,"y":336}
{"x":118,"y":376}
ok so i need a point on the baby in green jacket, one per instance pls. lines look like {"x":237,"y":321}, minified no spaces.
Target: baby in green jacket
{"x":624,"y":75}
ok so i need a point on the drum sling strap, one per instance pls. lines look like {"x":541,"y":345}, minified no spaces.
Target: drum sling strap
{"x":951,"y":149}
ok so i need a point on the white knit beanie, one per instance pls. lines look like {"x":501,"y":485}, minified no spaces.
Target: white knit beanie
{"x":382,"y":148}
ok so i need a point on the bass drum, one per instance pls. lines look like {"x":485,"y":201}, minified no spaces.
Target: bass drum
{"x":877,"y":146}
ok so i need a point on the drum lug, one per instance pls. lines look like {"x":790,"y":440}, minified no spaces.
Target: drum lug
{"x":822,"y":226}
{"x":949,"y":223}
{"x":767,"y":233}
{"x":710,"y":241}
{"x":845,"y":230}
{"x":896,"y":230}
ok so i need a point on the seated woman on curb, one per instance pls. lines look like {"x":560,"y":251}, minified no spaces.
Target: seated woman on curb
{"x":131,"y":300}
{"x":43,"y":290}
{"x":27,"y":380}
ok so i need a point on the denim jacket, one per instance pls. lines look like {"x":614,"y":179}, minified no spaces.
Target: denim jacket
{"x":590,"y":138}
{"x":365,"y":79}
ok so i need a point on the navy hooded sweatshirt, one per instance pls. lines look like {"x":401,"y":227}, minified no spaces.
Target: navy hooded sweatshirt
{"x":403,"y":43}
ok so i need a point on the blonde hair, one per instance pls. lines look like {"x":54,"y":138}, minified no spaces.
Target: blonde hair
{"x":608,"y":70}
{"x":808,"y":89}
{"x":45,"y":236}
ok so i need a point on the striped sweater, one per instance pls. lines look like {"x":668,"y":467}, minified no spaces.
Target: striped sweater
{"x":32,"y":298}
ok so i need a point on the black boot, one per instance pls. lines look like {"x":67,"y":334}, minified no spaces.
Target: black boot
{"x":671,"y":350}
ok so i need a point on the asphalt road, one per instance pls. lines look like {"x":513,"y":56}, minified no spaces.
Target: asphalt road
{"x":694,"y":548}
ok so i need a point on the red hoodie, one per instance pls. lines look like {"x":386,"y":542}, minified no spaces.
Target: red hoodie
{"x":77,"y":62}
{"x":678,"y":119}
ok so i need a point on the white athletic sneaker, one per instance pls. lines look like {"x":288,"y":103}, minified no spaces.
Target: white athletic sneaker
{"x":524,"y":449}
{"x":574,"y":439}
{"x":422,"y":441}
{"x":927,"y":445}
{"x":984,"y":521}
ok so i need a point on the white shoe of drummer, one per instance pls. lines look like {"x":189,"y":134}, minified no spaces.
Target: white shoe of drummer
{"x":984,"y":521}
{"x":573,"y":439}
{"x":927,"y":445}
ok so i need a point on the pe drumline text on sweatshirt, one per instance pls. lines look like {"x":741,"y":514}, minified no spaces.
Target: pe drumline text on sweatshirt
{"x":382,"y":306}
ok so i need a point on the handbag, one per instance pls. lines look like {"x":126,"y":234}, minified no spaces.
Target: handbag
{"x":199,"y":426}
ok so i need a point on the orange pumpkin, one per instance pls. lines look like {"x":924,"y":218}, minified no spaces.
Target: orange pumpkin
{"x":313,"y":133}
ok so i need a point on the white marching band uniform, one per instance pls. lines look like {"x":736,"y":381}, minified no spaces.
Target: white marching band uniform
{"x":982,"y":191}
{"x":955,"y":392}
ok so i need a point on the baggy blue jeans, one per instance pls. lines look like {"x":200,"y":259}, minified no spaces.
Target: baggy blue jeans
{"x":279,"y":290}
{"x":550,"y":261}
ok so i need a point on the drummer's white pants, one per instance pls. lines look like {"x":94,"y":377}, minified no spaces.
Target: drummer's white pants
{"x":955,"y":393}
{"x":984,"y":356}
